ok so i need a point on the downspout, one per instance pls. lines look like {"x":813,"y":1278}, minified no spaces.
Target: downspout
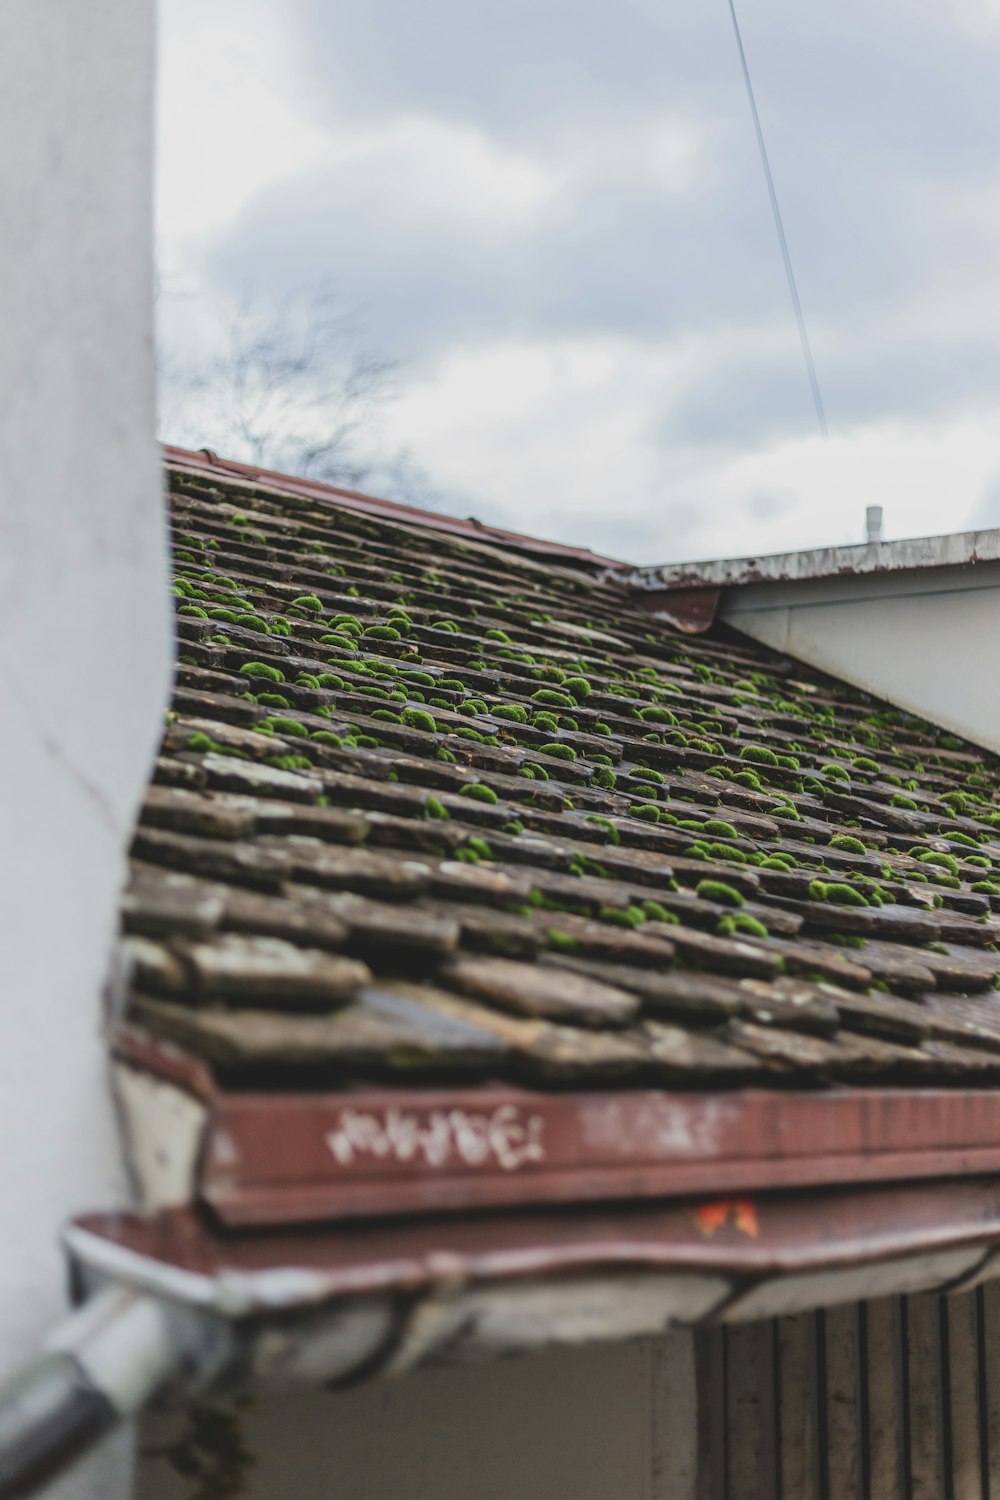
{"x":98,"y":1368}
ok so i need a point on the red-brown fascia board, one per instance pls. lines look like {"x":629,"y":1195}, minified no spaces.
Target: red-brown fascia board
{"x":205,"y":460}
{"x":297,"y":1158}
{"x":742,"y":1238}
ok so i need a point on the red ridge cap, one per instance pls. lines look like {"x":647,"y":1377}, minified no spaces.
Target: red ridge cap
{"x":208,"y":461}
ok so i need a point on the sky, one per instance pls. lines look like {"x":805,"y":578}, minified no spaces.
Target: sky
{"x":551,"y":215}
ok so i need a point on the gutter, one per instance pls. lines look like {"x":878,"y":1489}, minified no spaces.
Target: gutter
{"x":178,"y":1307}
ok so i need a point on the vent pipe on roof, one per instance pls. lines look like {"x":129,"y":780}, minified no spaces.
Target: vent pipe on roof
{"x":873,"y":523}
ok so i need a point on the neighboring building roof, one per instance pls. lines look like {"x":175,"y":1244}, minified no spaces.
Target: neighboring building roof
{"x":956,"y":549}
{"x":464,"y":884}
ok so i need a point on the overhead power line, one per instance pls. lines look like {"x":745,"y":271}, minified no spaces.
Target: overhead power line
{"x":780,"y":228}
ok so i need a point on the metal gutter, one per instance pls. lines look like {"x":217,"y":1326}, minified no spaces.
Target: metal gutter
{"x":204,"y":460}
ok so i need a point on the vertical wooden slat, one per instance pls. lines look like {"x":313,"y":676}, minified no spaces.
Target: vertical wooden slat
{"x":963,"y":1396}
{"x":676,"y":1416}
{"x":798,"y":1451}
{"x":710,"y":1377}
{"x":923,"y":1377}
{"x":843,"y":1404}
{"x":991,"y":1367}
{"x":886,"y":1475}
{"x":750,"y":1410}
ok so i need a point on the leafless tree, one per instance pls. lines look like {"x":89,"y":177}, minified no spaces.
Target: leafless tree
{"x":290,"y":388}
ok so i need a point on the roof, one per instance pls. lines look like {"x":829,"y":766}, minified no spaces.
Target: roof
{"x":463,"y":885}
{"x":957,"y":549}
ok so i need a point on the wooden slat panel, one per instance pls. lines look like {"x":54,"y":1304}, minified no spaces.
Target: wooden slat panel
{"x":963,"y":1395}
{"x":676,"y":1417}
{"x":843,"y":1404}
{"x":883,"y":1353}
{"x":750,"y":1410}
{"x":990,"y":1308}
{"x":710,"y":1376}
{"x":923,"y":1391}
{"x":798,"y":1439}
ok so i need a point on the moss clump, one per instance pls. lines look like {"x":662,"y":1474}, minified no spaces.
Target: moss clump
{"x":477,"y":847}
{"x":479,"y":792}
{"x":718,"y":891}
{"x":326,"y":737}
{"x":290,"y":727}
{"x":497,"y":635}
{"x":388,"y":715}
{"x":898,"y":800}
{"x":552,"y":699}
{"x":579,"y":687}
{"x":783,"y":862}
{"x":760,"y":754}
{"x":622,"y":916}
{"x":985,"y":888}
{"x":273,"y":700}
{"x":330,"y":680}
{"x":657,"y":913}
{"x":308,"y":602}
{"x":447,"y":625}
{"x":418,"y":718}
{"x":558,"y":750}
{"x":863,"y":763}
{"x":614,"y":837}
{"x":384,"y":633}
{"x":836,"y":892}
{"x":643,"y":773}
{"x":201,"y":742}
{"x":562,"y":942}
{"x":741,"y":921}
{"x":262,"y":669}
{"x":848,"y":844}
{"x":657,"y":715}
{"x":719,"y":829}
{"x":749,"y":779}
{"x":645,"y":810}
{"x":290,"y":762}
{"x":944,"y":861}
{"x":512,"y":711}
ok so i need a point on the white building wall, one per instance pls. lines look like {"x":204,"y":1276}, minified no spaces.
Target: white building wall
{"x":84,"y":635}
{"x":925,"y":643}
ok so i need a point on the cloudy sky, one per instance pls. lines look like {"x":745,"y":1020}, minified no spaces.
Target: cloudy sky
{"x":552,"y":214}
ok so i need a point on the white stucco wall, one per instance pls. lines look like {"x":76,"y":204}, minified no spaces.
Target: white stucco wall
{"x":605,"y":1422}
{"x":924,"y":642}
{"x":84,"y":642}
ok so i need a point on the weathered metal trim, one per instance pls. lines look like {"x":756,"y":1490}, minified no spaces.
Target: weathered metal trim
{"x":692,"y":611}
{"x":204,"y":459}
{"x":299,"y":1158}
{"x":957,"y":549}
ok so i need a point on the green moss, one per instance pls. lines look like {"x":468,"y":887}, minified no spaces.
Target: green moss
{"x":848,"y":844}
{"x":496,"y":635}
{"x":326,"y":737}
{"x":622,"y":916}
{"x":193,"y":609}
{"x":558,"y":750}
{"x":552,"y":699}
{"x":289,"y":727}
{"x":760,"y":754}
{"x":388,"y":715}
{"x":280,"y":626}
{"x":447,"y":625}
{"x":614,"y":837}
{"x":717,"y":890}
{"x":643,"y":773}
{"x":863,"y":763}
{"x":602,"y":777}
{"x":290,"y":762}
{"x":719,"y":829}
{"x":945,"y":861}
{"x":479,"y":847}
{"x":601,"y":728}
{"x":836,"y":892}
{"x":562,"y":942}
{"x":657,"y":715}
{"x":308,"y":602}
{"x":200,"y":741}
{"x":479,"y":792}
{"x":273,"y":700}
{"x":579,"y":687}
{"x":262,"y":669}
{"x":418,"y":718}
{"x":741,"y":922}
{"x":745,"y":778}
{"x":645,"y":810}
{"x":512,"y":711}
{"x":657,"y":913}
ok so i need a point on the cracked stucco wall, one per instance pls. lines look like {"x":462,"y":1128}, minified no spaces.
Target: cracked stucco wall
{"x":84,"y":634}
